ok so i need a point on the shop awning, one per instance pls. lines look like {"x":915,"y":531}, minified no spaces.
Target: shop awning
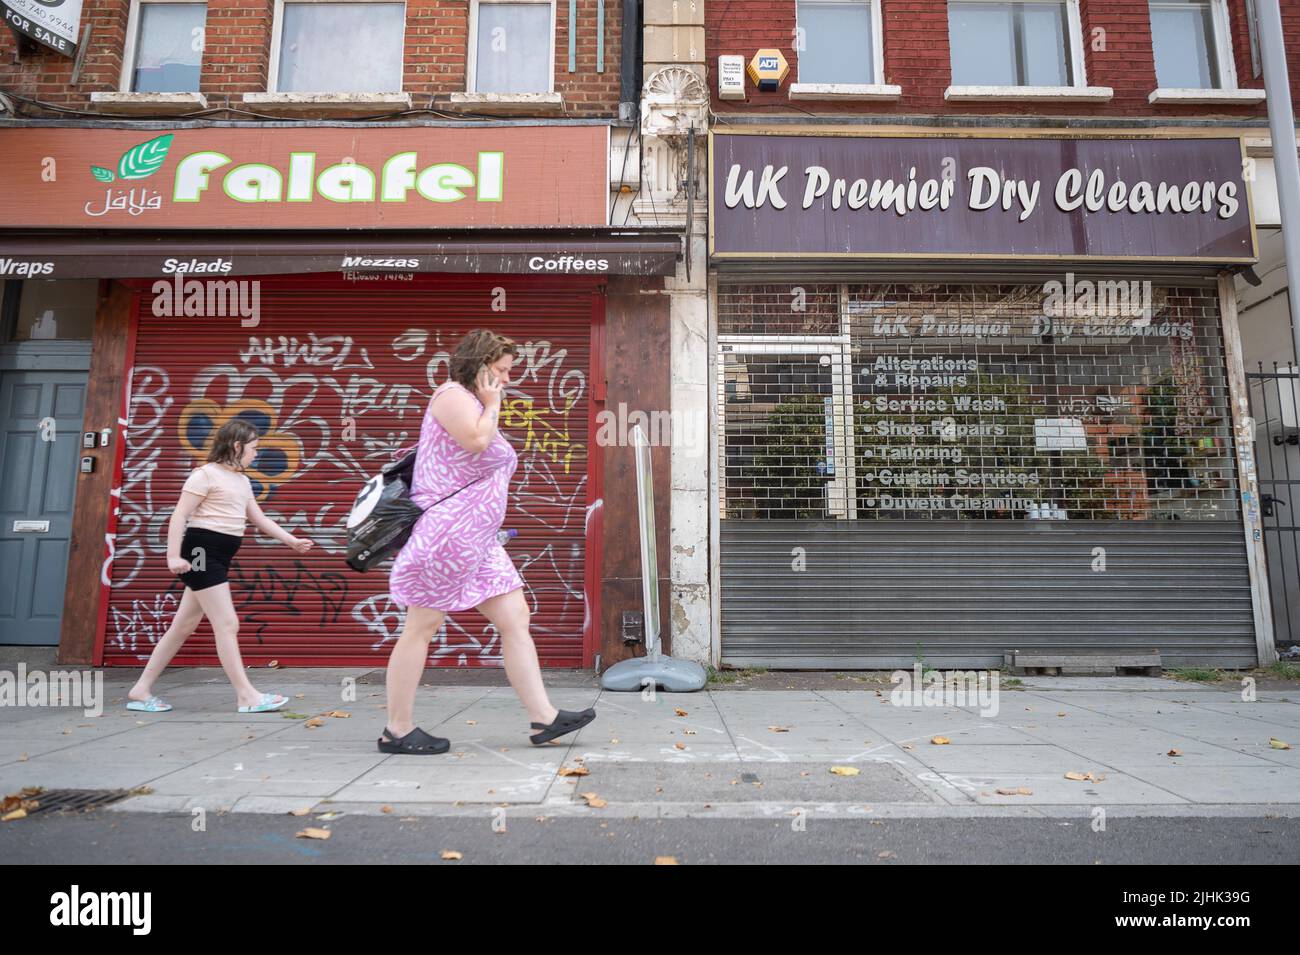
{"x":86,"y":254}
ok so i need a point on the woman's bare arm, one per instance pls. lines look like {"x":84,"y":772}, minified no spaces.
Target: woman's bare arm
{"x":455,"y":410}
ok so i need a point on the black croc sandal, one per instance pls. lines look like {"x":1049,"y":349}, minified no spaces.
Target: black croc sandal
{"x":417,"y":742}
{"x":566,"y":721}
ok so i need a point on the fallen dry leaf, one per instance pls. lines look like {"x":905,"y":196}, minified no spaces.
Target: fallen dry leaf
{"x":451,"y":854}
{"x":314,"y":722}
{"x":1018,"y":791}
{"x":312,"y":833}
{"x":1077,"y":777}
{"x":385,"y":809}
{"x":845,"y":770}
{"x":14,"y":816}
{"x":1174,"y":752}
{"x":574,"y":771}
{"x":679,"y":745}
{"x":300,"y":812}
{"x":680,"y":712}
{"x":665,"y":860}
{"x":594,"y":801}
{"x":779,"y":729}
{"x":471,"y":722}
{"x":940,"y":740}
{"x":299,"y":696}
{"x":1278,"y":744}
{"x":886,"y":855}
{"x":339,"y":714}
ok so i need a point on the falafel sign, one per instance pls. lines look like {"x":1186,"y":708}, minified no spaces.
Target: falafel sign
{"x":861,"y":196}
{"x":323,"y":177}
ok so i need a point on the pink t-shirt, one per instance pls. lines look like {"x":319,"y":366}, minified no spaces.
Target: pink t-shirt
{"x":225,"y":494}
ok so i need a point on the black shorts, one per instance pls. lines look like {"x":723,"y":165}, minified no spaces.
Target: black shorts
{"x":216,"y":552}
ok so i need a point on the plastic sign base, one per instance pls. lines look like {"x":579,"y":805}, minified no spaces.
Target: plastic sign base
{"x":672,"y":676}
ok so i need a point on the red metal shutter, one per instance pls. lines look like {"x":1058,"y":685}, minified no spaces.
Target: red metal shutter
{"x":330,"y":358}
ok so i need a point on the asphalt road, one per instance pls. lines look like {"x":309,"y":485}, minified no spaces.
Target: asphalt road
{"x":106,"y":837}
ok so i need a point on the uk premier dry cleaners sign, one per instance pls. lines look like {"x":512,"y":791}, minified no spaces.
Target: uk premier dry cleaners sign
{"x":51,"y":23}
{"x":1076,"y":198}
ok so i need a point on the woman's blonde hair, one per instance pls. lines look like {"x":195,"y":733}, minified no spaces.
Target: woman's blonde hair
{"x":228,"y":446}
{"x":480,"y":347}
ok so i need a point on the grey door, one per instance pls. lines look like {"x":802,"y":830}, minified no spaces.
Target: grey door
{"x":40,"y":437}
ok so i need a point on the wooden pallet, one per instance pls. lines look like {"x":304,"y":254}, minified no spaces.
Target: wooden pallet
{"x":1126,"y":663}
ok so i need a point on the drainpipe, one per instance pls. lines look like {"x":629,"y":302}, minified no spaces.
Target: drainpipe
{"x":630,"y":63}
{"x":1281,"y":125}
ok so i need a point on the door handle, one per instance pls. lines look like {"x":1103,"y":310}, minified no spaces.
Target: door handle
{"x":1267,"y":502}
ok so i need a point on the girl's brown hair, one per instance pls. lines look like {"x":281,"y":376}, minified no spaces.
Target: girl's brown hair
{"x":228,"y":446}
{"x":480,"y":347}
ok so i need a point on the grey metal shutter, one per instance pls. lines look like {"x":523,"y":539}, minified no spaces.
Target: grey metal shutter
{"x":844,"y":545}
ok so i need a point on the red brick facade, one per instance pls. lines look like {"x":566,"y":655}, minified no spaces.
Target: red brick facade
{"x":1117,"y":53}
{"x":236,"y":57}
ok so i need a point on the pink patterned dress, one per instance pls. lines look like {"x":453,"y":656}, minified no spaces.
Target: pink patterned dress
{"x":452,"y":560}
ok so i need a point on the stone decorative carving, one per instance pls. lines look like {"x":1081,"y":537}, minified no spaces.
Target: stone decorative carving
{"x":674,"y":98}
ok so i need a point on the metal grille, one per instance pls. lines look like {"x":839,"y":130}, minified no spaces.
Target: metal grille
{"x":1275,"y":407}
{"x":1079,"y":400}
{"x":76,"y":800}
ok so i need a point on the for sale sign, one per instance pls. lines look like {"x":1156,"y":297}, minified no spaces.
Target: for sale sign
{"x":52,"y":23}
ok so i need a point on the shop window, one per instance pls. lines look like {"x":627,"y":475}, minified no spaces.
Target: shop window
{"x":962,"y":402}
{"x":1191,"y":45}
{"x":164,"y":48}
{"x":1014,"y":44}
{"x":337,"y":46}
{"x":511,"y":46}
{"x":838,"y":42}
{"x":55,"y":310}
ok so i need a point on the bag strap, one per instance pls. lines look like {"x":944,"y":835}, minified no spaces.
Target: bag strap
{"x":455,"y":492}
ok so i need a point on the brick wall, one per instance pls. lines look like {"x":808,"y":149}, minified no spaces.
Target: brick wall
{"x":1117,"y":53}
{"x":236,"y":57}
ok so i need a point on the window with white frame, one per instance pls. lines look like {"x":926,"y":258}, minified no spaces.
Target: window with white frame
{"x":164,"y":47}
{"x":1191,"y":45}
{"x":511,"y":46}
{"x":337,"y":46}
{"x":1031,"y":43}
{"x":839,"y":42}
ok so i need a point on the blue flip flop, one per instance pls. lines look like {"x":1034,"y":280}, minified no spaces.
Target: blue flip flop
{"x":155,"y":704}
{"x":268,"y":702}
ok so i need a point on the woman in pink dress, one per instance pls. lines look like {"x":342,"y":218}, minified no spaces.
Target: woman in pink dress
{"x":452,"y":561}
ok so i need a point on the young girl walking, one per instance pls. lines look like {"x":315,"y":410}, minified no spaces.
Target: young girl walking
{"x":205,"y":531}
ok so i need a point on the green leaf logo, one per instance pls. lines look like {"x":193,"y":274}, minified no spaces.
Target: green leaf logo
{"x":102,"y":174}
{"x":145,"y":159}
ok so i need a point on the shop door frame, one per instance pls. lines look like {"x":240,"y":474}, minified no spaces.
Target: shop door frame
{"x":844,"y":483}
